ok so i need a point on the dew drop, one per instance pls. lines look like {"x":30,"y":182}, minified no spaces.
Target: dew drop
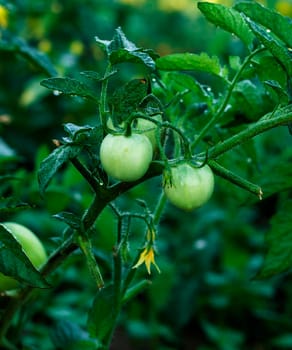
{"x":57,"y":92}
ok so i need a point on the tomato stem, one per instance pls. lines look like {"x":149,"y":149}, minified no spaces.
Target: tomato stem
{"x":226,"y":99}
{"x":236,"y":179}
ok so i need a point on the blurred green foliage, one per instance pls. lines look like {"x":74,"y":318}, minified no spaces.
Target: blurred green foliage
{"x":205,"y":297}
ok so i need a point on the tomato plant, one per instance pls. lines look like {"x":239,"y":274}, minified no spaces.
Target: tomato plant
{"x":142,"y":127}
{"x":189,"y":187}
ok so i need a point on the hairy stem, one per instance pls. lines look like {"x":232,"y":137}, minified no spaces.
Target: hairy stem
{"x":281,"y":117}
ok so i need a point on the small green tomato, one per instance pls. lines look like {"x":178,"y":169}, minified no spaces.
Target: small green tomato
{"x":148,"y":128}
{"x":141,"y":126}
{"x":31,"y":246}
{"x":191,"y":187}
{"x":126,"y":158}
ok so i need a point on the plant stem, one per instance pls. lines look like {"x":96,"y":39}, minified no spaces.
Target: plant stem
{"x":100,"y":201}
{"x":281,"y":117}
{"x":236,"y":179}
{"x":103,"y":95}
{"x":224,"y":104}
{"x":85,"y":173}
{"x":159,"y":208}
{"x":53,"y":262}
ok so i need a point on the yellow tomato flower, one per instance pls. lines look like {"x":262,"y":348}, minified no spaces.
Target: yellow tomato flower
{"x":147,"y":257}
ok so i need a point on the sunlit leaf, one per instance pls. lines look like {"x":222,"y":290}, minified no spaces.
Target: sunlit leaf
{"x":278,"y":24}
{"x":227,"y":19}
{"x":273,"y":44}
{"x":192,"y":62}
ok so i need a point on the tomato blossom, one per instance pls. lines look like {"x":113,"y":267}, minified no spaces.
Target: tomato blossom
{"x":147,"y":257}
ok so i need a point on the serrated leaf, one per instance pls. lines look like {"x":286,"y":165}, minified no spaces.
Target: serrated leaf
{"x":70,"y":86}
{"x":278,"y":24}
{"x":83,"y":135}
{"x":96,"y":76}
{"x":120,"y":50}
{"x":15,"y":263}
{"x":70,"y":219}
{"x":283,"y":97}
{"x":192,"y":62}
{"x":127,"y":98}
{"x":102,"y":315}
{"x":278,"y":258}
{"x":135,"y":56}
{"x":273,"y":44}
{"x":50,"y":165}
{"x":227,"y":19}
{"x":91,"y":75}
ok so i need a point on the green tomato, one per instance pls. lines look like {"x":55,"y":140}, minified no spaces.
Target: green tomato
{"x":142,"y":126}
{"x":148,"y":128}
{"x":31,"y":246}
{"x":126,"y":158}
{"x":191,"y":187}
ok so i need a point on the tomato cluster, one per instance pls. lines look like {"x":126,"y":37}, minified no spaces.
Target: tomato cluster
{"x":127,"y":158}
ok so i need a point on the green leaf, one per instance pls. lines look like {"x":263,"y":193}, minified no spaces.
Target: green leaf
{"x":15,"y":263}
{"x":69,"y":336}
{"x":227,"y":19}
{"x":83,"y":135}
{"x":102,"y":315}
{"x":126,"y":99}
{"x":70,"y":86}
{"x":278,"y":258}
{"x":70,"y":219}
{"x":273,"y":44}
{"x":268,"y":68}
{"x":272,"y":184}
{"x":50,"y":165}
{"x":282,"y":95}
{"x":278,"y":24}
{"x":192,"y":62}
{"x":249,"y":99}
{"x":120,"y":50}
{"x":11,"y":204}
{"x":181,"y":82}
{"x":37,"y":58}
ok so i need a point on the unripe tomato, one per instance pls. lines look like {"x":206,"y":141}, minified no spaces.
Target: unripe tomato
{"x":126,"y":158}
{"x":31,"y":246}
{"x":191,"y":187}
{"x":143,"y":126}
{"x":148,"y":128}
